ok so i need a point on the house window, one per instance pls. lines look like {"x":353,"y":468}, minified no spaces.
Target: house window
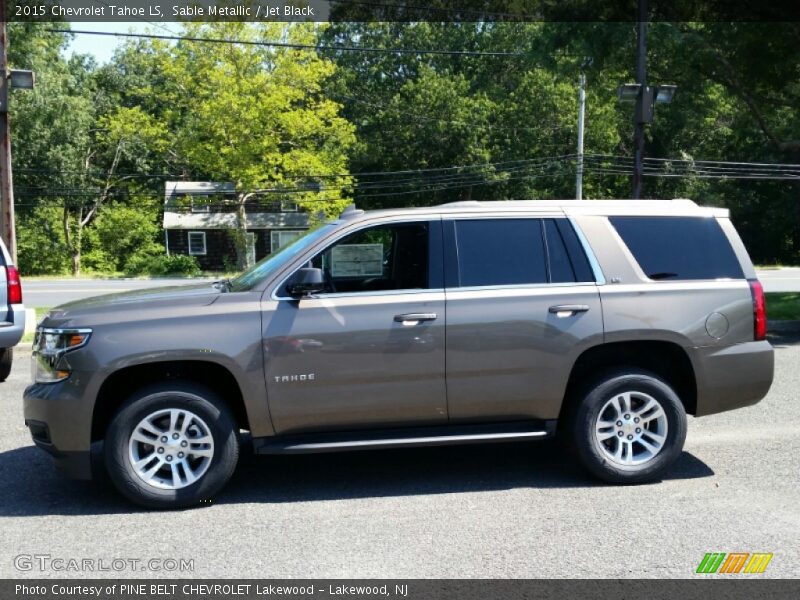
{"x":278,"y":239}
{"x":289,"y":206}
{"x":197,"y":243}
{"x":201,"y":204}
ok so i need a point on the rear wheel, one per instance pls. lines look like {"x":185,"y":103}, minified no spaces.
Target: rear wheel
{"x":172,"y":445}
{"x":630,"y":427}
{"x":6,"y":358}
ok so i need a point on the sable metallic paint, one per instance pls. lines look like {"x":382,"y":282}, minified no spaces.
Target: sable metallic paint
{"x":493,"y":353}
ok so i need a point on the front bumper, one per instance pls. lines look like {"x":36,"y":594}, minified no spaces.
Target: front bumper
{"x":733,"y":376}
{"x":60,"y":424}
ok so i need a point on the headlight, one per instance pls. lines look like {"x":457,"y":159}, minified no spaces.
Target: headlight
{"x":50,"y":348}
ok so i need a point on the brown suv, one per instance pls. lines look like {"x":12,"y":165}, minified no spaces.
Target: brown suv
{"x":608,"y":322}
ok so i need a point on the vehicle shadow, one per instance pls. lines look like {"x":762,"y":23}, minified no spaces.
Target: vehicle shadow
{"x":33,"y":487}
{"x":783,"y":340}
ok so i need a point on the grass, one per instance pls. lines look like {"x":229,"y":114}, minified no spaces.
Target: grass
{"x":783,"y":306}
{"x":40,"y":312}
{"x":775,"y":266}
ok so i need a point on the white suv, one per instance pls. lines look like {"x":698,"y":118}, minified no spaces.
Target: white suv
{"x":12,"y":311}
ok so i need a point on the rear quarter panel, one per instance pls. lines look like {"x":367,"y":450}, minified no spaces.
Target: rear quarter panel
{"x":689,"y":313}
{"x":712,"y":320}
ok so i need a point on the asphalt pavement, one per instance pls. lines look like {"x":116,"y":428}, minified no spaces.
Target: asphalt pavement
{"x":52,"y":292}
{"x":786,"y":279}
{"x":507,"y":510}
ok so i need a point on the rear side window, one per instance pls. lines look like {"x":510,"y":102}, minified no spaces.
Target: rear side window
{"x":679,"y":248}
{"x":500,"y":252}
{"x":568,"y":261}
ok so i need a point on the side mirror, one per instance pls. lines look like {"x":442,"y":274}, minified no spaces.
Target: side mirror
{"x":306,"y":281}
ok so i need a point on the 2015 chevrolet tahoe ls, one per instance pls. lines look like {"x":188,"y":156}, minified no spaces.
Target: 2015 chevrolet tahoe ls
{"x":605,"y":321}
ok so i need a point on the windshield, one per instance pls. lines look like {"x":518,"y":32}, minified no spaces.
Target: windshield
{"x":269,"y":265}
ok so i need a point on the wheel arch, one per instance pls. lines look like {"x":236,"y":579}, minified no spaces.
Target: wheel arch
{"x":120,"y":384}
{"x":665,"y":359}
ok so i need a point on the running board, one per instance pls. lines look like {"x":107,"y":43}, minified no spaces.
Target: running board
{"x":404,"y":438}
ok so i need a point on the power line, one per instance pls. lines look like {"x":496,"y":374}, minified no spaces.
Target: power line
{"x":411,"y":180}
{"x":295,"y":46}
{"x":701,"y":169}
{"x":422,"y":187}
{"x":423,"y":181}
{"x":181,"y":177}
{"x":138,"y":18}
{"x":418,"y":117}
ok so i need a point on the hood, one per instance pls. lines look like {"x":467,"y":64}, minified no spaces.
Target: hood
{"x":122,"y":306}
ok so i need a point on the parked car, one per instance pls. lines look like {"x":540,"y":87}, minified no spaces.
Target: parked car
{"x":12,"y":311}
{"x":606,"y":322}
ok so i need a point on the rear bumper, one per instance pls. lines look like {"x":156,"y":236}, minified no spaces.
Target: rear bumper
{"x":60,"y":425}
{"x":12,"y":326}
{"x":733,"y":376}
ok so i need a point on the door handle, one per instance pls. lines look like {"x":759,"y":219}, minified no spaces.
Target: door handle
{"x":414,"y":318}
{"x":568,"y":310}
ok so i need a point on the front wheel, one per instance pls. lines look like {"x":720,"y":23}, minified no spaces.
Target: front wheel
{"x":629,"y":427}
{"x":171,"y":446}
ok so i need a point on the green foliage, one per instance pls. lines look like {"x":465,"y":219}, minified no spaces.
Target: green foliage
{"x":162,"y":265}
{"x":40,"y":242}
{"x":128,"y":233}
{"x":267,"y":117}
{"x":783,"y":306}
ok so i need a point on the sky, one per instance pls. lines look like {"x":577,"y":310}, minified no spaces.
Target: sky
{"x":102,"y":47}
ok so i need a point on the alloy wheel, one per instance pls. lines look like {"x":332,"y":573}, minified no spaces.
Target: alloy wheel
{"x":171,"y":448}
{"x":631,"y":428}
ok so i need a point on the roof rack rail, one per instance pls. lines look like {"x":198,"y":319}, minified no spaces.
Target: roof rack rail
{"x":351,"y":212}
{"x":458,"y":203}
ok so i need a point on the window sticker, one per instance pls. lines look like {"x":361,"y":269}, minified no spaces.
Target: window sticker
{"x":357,"y":260}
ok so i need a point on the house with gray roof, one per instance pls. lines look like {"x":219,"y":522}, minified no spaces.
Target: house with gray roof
{"x":201,"y":220}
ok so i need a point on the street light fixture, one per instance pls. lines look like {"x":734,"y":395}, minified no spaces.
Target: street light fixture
{"x":665,"y":93}
{"x":22,"y":79}
{"x":628,"y":92}
{"x":645,"y":98}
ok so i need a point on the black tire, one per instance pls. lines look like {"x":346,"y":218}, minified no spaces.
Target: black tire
{"x":6,"y":358}
{"x":590,"y":450}
{"x":200,"y":401}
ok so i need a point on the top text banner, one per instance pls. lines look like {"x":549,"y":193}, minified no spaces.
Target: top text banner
{"x":397,"y":10}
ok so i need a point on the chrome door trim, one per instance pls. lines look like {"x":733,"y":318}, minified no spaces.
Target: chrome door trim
{"x":600,"y":279}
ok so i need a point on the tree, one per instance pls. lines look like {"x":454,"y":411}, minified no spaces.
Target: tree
{"x":121,"y":137}
{"x":256,"y":116}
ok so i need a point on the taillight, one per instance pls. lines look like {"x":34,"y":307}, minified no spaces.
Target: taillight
{"x":759,"y":310}
{"x":14,"y":286}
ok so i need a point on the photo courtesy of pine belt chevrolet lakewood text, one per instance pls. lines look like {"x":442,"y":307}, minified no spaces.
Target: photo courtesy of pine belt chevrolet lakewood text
{"x":603,"y":322}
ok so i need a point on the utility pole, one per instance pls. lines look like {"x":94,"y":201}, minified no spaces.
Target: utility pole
{"x":6,"y":185}
{"x":641,"y":101}
{"x":581,"y":111}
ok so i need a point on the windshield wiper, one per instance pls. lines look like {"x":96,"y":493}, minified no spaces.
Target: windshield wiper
{"x":663,"y":275}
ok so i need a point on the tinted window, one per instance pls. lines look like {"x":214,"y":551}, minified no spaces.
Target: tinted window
{"x":500,"y":252}
{"x":561,"y":270}
{"x":580,"y":264}
{"x":673,"y":248}
{"x":387,"y":257}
